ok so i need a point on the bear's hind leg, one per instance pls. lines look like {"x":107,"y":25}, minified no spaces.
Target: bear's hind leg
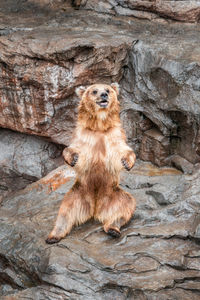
{"x":76,"y":208}
{"x":115,"y":210}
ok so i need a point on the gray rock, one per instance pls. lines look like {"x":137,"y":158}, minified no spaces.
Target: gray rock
{"x":159,"y":90}
{"x":24,"y":159}
{"x":43,"y":60}
{"x":157,"y":254}
{"x":150,"y":10}
{"x":45,"y":53}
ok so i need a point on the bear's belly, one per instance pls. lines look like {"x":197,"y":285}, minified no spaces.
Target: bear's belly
{"x":98,"y":177}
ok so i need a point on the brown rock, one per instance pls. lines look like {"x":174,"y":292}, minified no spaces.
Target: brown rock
{"x":134,"y":124}
{"x":182,"y":164}
{"x":154,"y":147}
{"x":39,"y":70}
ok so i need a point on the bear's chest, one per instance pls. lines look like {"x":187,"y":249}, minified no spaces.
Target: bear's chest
{"x":95,"y":146}
{"x":99,"y":150}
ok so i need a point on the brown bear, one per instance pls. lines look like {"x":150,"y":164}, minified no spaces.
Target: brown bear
{"x":98,"y":152}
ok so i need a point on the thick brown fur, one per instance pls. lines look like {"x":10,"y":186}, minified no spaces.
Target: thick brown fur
{"x":98,"y":152}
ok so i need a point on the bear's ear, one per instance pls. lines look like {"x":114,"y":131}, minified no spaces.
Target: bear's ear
{"x":79,"y":91}
{"x":115,"y":87}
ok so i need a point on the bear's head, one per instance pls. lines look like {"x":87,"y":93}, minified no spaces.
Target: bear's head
{"x":98,"y":97}
{"x":99,"y":106}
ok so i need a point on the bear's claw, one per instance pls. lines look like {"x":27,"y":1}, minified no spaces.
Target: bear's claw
{"x":125,"y":164}
{"x":74,"y":160}
{"x":52,"y":240}
{"x":114,"y":233}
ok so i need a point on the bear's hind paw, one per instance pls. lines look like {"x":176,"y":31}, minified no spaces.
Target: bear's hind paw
{"x":52,"y":240}
{"x":114,"y":233}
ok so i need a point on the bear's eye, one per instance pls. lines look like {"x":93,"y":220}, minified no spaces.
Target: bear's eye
{"x":94,"y":92}
{"x":107,"y":91}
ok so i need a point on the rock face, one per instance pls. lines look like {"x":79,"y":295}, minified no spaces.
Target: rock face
{"x":185,"y":11}
{"x":40,"y":66}
{"x":158,"y":83}
{"x":156,"y":257}
{"x":24,"y":159}
{"x":38,"y":78}
{"x":43,"y":59}
{"x":47,"y":49}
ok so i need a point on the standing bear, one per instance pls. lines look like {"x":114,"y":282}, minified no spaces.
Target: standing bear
{"x":98,"y":152}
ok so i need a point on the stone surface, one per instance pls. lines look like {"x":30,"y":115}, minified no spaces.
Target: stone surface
{"x":182,"y":164}
{"x":40,"y":66}
{"x":185,"y":11}
{"x":154,"y":147}
{"x":157,"y":84}
{"x":43,"y":59}
{"x":24,"y":159}
{"x":156,"y":257}
{"x":46,"y":50}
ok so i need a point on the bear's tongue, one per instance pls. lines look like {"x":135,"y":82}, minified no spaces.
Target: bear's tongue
{"x":103,"y":103}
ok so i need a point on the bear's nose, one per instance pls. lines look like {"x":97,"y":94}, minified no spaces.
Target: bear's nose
{"x":104,"y":96}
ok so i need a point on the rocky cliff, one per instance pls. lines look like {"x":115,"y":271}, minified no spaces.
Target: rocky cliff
{"x":47,"y":49}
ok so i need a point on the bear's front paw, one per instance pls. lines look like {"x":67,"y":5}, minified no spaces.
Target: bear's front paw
{"x":74,"y":159}
{"x":126,"y":164}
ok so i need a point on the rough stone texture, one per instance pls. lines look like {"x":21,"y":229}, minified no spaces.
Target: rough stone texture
{"x":182,"y":164}
{"x":157,"y":256}
{"x":154,"y":147}
{"x":40,"y":66}
{"x":183,"y":10}
{"x":36,"y":6}
{"x":24,"y":159}
{"x":161,"y":82}
{"x":43,"y":59}
{"x":46,"y":50}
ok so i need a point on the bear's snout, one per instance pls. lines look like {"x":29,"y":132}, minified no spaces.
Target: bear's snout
{"x":103,"y":103}
{"x":104,"y":96}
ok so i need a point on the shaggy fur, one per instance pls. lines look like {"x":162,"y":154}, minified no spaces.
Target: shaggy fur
{"x":98,"y":152}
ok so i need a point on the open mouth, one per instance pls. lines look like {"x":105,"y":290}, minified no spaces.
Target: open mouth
{"x":103,"y":103}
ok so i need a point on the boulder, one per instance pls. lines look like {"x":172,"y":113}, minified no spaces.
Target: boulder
{"x":24,"y":159}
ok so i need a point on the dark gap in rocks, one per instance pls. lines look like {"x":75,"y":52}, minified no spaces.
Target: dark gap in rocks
{"x":185,"y":141}
{"x":150,"y":144}
{"x":135,"y":124}
{"x":154,"y":147}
